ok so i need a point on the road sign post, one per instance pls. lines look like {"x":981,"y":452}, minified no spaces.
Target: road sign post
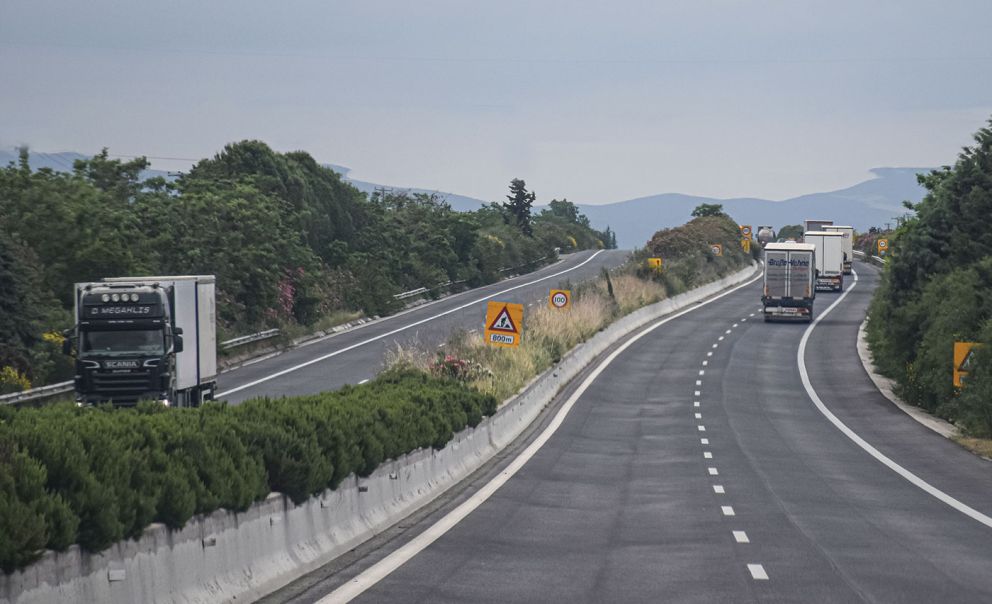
{"x":962,"y":361}
{"x":883,"y":247}
{"x":504,"y":324}
{"x":560,"y":299}
{"x":746,"y":244}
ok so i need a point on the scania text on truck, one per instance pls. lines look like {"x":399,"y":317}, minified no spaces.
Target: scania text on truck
{"x":848,"y":233}
{"x":789,"y":287}
{"x":145,"y":338}
{"x":829,"y":259}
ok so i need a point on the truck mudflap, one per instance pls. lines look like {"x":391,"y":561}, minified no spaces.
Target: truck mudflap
{"x":847,"y":267}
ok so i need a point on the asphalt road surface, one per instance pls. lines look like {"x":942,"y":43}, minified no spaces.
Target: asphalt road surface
{"x":697,"y":468}
{"x":356,"y":355}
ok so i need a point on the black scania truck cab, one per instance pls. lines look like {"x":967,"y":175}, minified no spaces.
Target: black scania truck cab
{"x":129,"y":341}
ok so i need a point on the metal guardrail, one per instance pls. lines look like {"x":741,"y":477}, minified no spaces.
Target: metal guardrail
{"x":36,"y":393}
{"x":53,"y":390}
{"x":248,"y":339}
{"x":876,"y":260}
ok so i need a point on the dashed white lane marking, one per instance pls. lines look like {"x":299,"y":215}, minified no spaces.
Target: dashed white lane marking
{"x":709,"y":354}
{"x":744,"y":319}
{"x":406,"y":327}
{"x":695,"y":403}
{"x":696,"y":392}
{"x":363,"y":381}
{"x":727,"y":332}
{"x":715,"y":345}
{"x":735,"y":324}
{"x":704,"y":441}
{"x":699,"y":416}
{"x":383,"y":568}
{"x":699,"y":382}
{"x":702,"y":372}
{"x":720,"y":338}
{"x":441,"y":345}
{"x":713,"y":471}
{"x":702,"y":428}
{"x":757,"y":572}
{"x":718,"y":489}
{"x":473,"y":331}
{"x":707,"y":455}
{"x":728,"y":510}
{"x":912,"y":478}
{"x":741,"y":537}
{"x":705,"y":363}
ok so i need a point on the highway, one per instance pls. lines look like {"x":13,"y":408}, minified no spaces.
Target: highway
{"x":696,"y":467}
{"x":353,"y":356}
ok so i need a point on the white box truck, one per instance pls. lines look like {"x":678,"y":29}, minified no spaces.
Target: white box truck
{"x":829,"y":259}
{"x":789,"y":281}
{"x":146,"y":338}
{"x":848,"y":233}
{"x":815,"y":225}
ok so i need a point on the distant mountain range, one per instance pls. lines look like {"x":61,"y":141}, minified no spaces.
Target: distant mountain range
{"x":874,"y":202}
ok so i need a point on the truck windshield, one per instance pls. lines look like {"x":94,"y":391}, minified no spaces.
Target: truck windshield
{"x":141,"y":341}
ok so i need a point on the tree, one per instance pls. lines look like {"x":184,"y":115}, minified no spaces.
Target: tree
{"x":708,"y":209}
{"x":519,"y":204}
{"x":791,"y":231}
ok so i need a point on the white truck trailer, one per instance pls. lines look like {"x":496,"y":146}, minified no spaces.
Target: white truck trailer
{"x":815,"y":225}
{"x":829,"y":259}
{"x":848,"y":233}
{"x":789,"y":281}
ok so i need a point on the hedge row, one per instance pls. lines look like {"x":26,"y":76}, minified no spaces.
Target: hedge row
{"x":93,"y":476}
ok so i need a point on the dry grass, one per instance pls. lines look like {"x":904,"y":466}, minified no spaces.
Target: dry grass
{"x":632,"y":293}
{"x":978,"y":446}
{"x":548,"y":335}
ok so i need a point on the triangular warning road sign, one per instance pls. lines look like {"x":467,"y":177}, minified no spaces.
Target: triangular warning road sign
{"x":503,"y":322}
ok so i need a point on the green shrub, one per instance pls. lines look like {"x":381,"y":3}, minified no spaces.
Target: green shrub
{"x":94,"y":476}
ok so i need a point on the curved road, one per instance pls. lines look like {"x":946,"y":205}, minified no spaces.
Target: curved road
{"x":356,"y":355}
{"x":759,"y":497}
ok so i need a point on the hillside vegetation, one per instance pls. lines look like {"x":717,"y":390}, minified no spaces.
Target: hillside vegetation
{"x":937,"y":289}
{"x":289,"y":242}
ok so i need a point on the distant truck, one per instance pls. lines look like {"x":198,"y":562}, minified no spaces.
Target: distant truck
{"x":848,"y":244}
{"x":815,"y":225}
{"x":829,"y":259}
{"x":145,"y":338}
{"x":789,"y":281}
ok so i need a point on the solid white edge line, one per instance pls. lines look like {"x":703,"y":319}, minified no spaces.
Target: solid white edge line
{"x":399,"y":329}
{"x":381,"y":569}
{"x":878,"y":455}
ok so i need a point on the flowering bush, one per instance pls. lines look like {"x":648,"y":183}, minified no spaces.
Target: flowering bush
{"x":12,"y":380}
{"x":449,"y":366}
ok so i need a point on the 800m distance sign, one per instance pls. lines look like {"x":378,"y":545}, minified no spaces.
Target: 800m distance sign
{"x":504,"y":322}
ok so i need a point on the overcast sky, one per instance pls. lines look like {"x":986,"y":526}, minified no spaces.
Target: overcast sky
{"x":593,"y":101}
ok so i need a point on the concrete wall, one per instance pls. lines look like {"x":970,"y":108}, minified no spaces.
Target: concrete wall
{"x":227,"y":557}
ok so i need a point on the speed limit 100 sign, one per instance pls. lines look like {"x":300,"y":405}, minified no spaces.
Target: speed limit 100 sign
{"x":560,"y":299}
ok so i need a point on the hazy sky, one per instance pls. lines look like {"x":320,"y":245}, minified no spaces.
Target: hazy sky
{"x":594,"y":101}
